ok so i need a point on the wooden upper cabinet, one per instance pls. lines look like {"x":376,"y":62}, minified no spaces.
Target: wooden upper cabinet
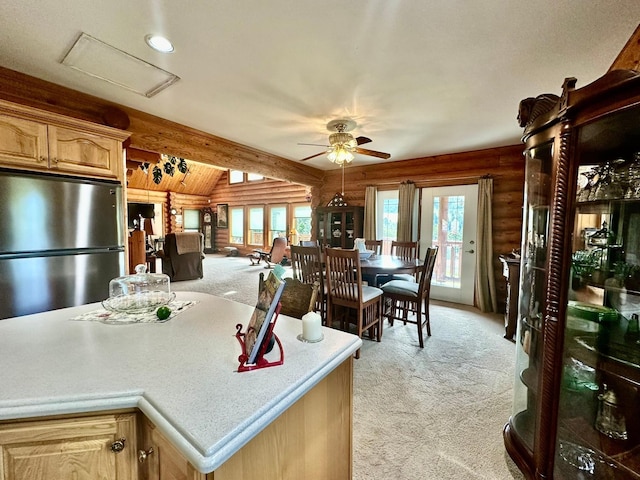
{"x":32,"y":139}
{"x":74,"y":151}
{"x":23,"y":143}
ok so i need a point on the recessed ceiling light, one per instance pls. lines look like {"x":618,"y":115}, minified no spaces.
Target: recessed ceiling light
{"x":159,"y":43}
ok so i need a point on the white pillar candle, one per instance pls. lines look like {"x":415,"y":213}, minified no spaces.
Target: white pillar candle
{"x":311,"y":327}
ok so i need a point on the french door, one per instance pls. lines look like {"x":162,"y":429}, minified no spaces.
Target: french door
{"x":449,"y":221}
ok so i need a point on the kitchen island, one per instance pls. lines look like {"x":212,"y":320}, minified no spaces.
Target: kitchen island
{"x":182,"y":375}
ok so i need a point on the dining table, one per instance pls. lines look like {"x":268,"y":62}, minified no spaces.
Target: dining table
{"x":387,"y":265}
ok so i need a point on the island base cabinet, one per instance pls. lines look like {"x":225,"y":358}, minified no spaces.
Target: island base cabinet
{"x":81,"y":448}
{"x":160,"y":460}
{"x":310,"y":440}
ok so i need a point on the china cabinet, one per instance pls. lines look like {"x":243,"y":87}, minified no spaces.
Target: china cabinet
{"x":339,"y":226}
{"x":576,"y":411}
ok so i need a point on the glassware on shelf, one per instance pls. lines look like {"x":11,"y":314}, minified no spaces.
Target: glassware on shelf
{"x":586,"y":185}
{"x":610,"y":419}
{"x":633,"y":178}
{"x":608,"y":187}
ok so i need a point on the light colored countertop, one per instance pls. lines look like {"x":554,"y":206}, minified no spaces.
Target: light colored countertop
{"x":182,"y":374}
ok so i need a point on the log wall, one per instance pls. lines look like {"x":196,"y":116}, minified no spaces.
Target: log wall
{"x":505,"y":165}
{"x":264,"y":192}
{"x":169,"y":200}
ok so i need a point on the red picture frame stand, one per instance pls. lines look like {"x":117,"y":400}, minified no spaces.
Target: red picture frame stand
{"x":261,"y":362}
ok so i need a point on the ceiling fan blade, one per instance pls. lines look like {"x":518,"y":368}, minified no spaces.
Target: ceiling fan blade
{"x":372,"y":153}
{"x":314,"y":144}
{"x":362,"y":140}
{"x":312,"y":156}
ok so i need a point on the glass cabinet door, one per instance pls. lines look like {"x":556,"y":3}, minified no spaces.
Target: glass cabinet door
{"x":535,"y":235}
{"x":598,"y":429}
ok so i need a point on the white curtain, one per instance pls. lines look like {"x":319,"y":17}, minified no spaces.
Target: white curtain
{"x":485,"y":282}
{"x":406,"y":198}
{"x":370,"y":197}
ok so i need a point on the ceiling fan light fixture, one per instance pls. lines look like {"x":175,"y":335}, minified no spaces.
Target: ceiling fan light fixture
{"x":342,"y":138}
{"x":340,"y":154}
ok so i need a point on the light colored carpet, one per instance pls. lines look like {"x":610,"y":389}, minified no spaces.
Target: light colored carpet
{"x":432,"y":413}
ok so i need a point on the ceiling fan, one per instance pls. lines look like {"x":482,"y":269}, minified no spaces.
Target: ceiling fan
{"x":342,"y":144}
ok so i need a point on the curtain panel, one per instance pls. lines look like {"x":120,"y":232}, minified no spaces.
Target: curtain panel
{"x":406,"y":196}
{"x":370,"y":199}
{"x":485,"y":288}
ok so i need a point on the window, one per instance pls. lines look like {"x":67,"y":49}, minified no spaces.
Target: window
{"x":236,"y":229}
{"x":277,"y":222}
{"x":387,"y":215}
{"x":256,"y":226}
{"x":302,"y":222}
{"x":236,"y":176}
{"x":254,"y":177}
{"x":191,"y":220}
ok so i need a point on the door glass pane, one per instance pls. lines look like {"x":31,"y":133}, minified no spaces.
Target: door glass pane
{"x":448,"y":227}
{"x":236,"y":229}
{"x":277,"y":223}
{"x":256,"y":226}
{"x":302,"y":222}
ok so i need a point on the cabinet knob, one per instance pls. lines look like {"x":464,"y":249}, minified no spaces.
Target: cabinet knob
{"x":43,"y":159}
{"x":118,"y":445}
{"x":142,"y":455}
{"x":54,"y":160}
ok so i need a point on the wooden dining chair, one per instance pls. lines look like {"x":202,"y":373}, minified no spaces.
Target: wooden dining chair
{"x":375,"y":245}
{"x":308,"y":268}
{"x":406,"y":251}
{"x":308,"y":243}
{"x":348,"y":300}
{"x":404,"y":297}
{"x":297,"y":298}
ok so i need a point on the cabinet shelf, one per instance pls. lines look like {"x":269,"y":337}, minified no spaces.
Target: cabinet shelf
{"x":578,"y":432}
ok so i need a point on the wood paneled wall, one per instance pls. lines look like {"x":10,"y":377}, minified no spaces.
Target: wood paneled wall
{"x":263,"y":192}
{"x":169,"y":200}
{"x":505,"y":165}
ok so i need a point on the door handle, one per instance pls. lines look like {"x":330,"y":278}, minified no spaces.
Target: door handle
{"x":470,"y":251}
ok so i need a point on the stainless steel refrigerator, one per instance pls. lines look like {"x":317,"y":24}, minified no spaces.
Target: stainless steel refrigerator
{"x":61,"y":241}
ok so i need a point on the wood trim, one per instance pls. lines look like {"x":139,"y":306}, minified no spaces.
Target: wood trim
{"x":10,"y":108}
{"x":629,"y":56}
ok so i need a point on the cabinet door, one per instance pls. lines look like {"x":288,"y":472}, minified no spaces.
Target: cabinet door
{"x":75,"y":151}
{"x":598,"y":429}
{"x":530,"y":328}
{"x":23,"y":143}
{"x":164,"y":462}
{"x":76,"y":448}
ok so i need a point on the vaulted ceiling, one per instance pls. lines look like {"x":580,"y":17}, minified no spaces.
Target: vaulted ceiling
{"x":420,"y":78}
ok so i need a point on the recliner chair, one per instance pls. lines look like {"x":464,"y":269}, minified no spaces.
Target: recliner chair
{"x":182,"y":256}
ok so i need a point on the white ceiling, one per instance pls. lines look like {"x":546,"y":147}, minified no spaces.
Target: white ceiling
{"x":419,"y":77}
